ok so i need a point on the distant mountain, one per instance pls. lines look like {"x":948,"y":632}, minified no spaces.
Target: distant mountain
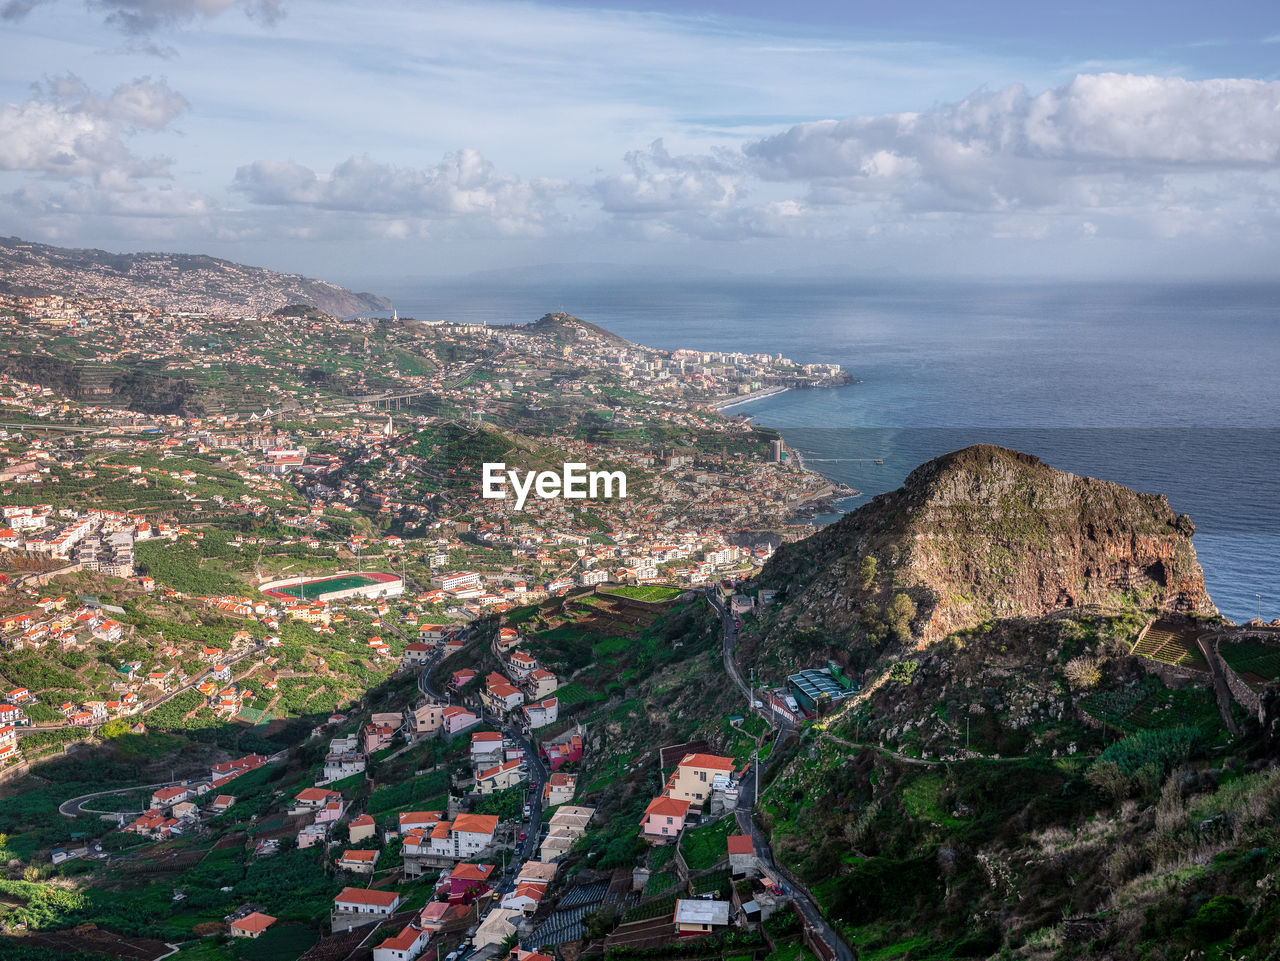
{"x":192,"y":282}
{"x":598,"y":272}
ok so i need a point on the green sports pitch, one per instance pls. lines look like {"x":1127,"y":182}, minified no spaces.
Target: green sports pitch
{"x":310,"y":590}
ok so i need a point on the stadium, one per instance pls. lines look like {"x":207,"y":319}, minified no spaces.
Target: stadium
{"x":334,"y":587}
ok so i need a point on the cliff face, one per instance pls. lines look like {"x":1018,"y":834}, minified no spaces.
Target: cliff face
{"x":988,"y":533}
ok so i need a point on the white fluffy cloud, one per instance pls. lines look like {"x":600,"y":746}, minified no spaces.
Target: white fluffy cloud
{"x":1098,"y":141}
{"x":67,"y":131}
{"x":1111,"y":155}
{"x":463,"y":187}
{"x":657,"y":183}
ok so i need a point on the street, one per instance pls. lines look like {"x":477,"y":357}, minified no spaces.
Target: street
{"x":530,"y":826}
{"x":745,"y":813}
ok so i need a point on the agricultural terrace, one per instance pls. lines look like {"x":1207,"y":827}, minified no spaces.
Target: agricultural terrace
{"x":1150,"y":705}
{"x":1173,"y":644}
{"x":1257,"y":664}
{"x":649,"y":593}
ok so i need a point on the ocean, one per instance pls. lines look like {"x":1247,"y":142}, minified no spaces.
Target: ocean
{"x":1171,"y":388}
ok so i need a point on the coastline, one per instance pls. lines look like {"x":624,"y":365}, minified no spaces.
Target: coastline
{"x":723,"y":405}
{"x":832,"y":491}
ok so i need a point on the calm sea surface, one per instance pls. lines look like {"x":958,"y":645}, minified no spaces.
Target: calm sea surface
{"x":1173,"y":389}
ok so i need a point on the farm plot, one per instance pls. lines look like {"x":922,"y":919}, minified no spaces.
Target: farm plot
{"x":1257,"y":664}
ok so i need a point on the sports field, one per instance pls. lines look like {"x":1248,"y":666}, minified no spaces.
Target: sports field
{"x":309,"y":590}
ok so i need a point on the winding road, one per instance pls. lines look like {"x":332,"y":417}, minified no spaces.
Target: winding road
{"x":74,"y":807}
{"x":745,"y":812}
{"x":532,"y":825}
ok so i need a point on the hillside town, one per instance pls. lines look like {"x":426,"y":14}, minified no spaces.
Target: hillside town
{"x":282,"y":520}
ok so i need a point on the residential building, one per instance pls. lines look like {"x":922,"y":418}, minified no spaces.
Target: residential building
{"x":559,"y":789}
{"x":542,"y":713}
{"x":8,"y":742}
{"x":168,"y":796}
{"x":664,"y":818}
{"x":467,"y":836}
{"x":466,"y":882}
{"x":695,"y":776}
{"x":377,"y":737}
{"x":361,"y":828}
{"x":525,"y":897}
{"x":354,"y":907}
{"x":696,"y":917}
{"x":405,"y":946}
{"x":457,"y":720}
{"x":499,"y":778}
{"x":540,"y":683}
{"x":742,"y":856}
{"x":251,"y":925}
{"x":313,"y":799}
{"x":487,"y":748}
{"x":417,"y":653}
{"x":424,"y":820}
{"x":521,"y":663}
{"x":358,"y":862}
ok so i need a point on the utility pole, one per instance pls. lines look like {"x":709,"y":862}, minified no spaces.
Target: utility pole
{"x":756,"y":765}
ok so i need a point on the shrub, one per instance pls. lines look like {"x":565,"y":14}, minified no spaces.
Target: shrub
{"x":1218,"y":917}
{"x":1165,"y":749}
{"x":1083,"y":673}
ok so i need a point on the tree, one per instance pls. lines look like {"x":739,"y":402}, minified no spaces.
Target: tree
{"x":899,"y":614}
{"x":867,"y":572}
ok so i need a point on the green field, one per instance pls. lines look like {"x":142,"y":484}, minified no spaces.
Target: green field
{"x":1257,"y":664}
{"x":1151,"y":706}
{"x":313,"y":589}
{"x":651,"y":593}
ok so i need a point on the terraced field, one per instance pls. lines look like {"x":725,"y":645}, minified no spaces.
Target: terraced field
{"x":1151,"y":706}
{"x":1257,"y":664}
{"x":1172,"y":644}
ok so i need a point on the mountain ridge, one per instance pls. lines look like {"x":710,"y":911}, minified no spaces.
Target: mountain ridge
{"x":195,"y":282}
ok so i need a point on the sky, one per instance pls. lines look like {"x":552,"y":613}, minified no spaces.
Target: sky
{"x":397,"y":139}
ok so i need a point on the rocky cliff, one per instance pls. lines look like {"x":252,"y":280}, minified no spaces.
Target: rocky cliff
{"x":982,"y":534}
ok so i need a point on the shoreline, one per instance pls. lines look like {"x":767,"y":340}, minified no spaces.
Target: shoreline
{"x":723,"y":405}
{"x":834,"y":489}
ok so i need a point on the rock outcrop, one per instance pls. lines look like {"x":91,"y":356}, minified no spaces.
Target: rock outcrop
{"x":983,"y":534}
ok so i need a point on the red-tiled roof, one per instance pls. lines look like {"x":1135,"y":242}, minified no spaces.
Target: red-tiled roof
{"x":254,"y":923}
{"x":382,"y":899}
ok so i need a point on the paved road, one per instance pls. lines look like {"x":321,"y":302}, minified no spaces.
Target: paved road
{"x":776,"y":721}
{"x":74,"y":807}
{"x":532,"y":825}
{"x":747,"y":823}
{"x":745,"y":813}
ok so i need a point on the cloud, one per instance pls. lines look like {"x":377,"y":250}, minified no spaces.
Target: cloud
{"x":463,"y":187}
{"x":1088,"y":143}
{"x":67,"y":131}
{"x":138,"y":17}
{"x":658,"y":183}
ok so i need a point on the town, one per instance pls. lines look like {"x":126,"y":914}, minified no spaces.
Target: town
{"x":306,"y":578}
